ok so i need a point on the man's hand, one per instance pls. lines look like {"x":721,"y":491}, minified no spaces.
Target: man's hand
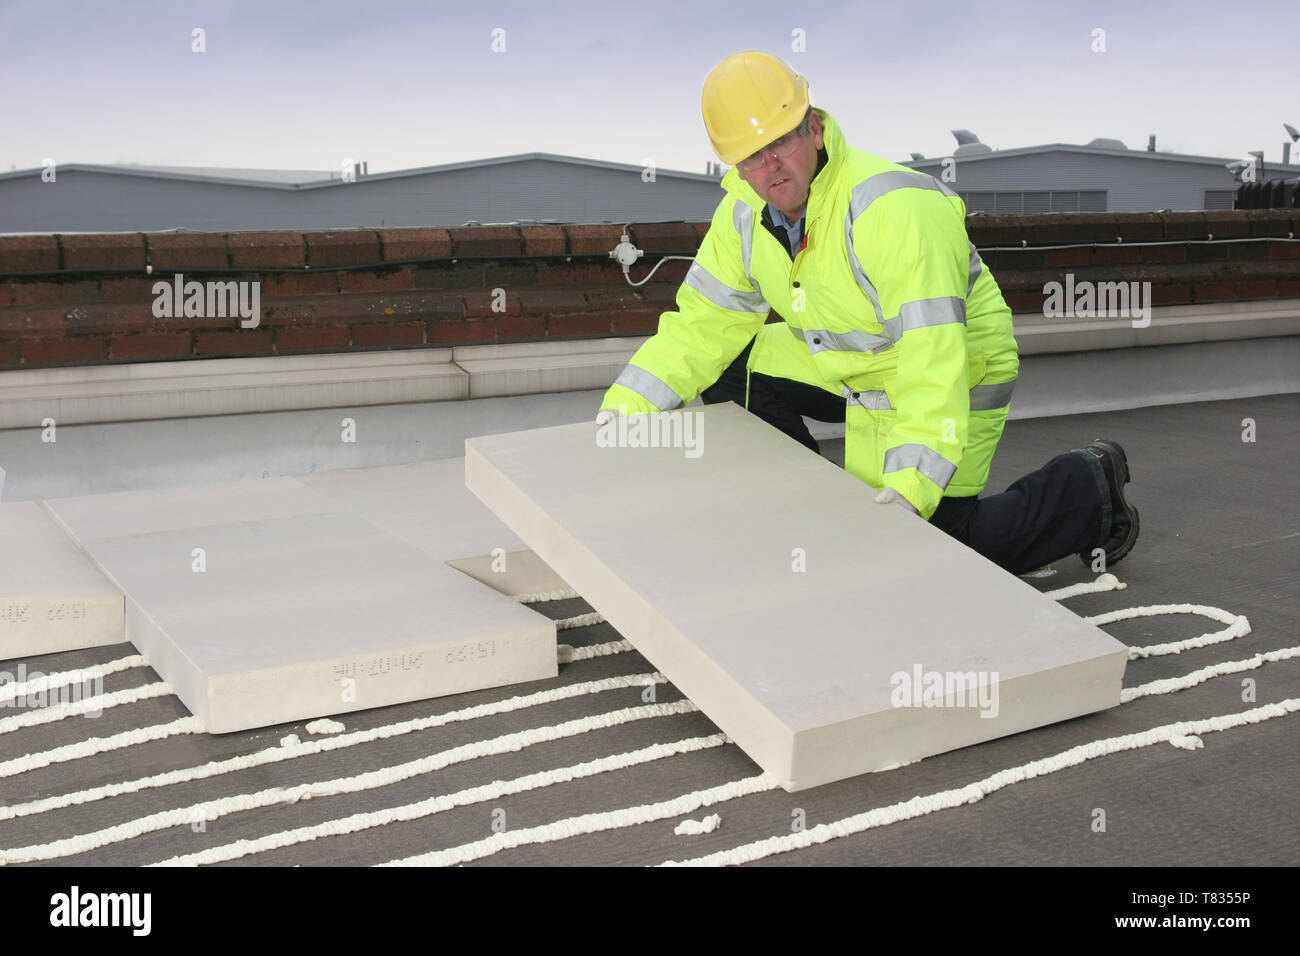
{"x":889,"y":494}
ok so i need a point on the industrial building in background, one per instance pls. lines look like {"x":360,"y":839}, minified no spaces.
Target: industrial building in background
{"x":1101,"y":176}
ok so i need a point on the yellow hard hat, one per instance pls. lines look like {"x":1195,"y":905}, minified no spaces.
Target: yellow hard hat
{"x":749,"y":100}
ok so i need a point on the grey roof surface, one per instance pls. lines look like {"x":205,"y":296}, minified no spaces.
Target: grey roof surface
{"x":1220,"y":527}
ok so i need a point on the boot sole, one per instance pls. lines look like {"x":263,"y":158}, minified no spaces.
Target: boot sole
{"x":1122,"y":478}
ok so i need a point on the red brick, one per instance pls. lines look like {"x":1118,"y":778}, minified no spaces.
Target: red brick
{"x":461,"y":331}
{"x":128,"y":288}
{"x":389,"y":281}
{"x":1064,"y":258}
{"x":481,"y":304}
{"x":637,"y":321}
{"x":995,"y":230}
{"x":29,"y":254}
{"x":1116,"y":255}
{"x":671,"y":273}
{"x":55,"y":293}
{"x":346,"y":247}
{"x":103,"y":252}
{"x":512,"y":275}
{"x":1284,"y":250}
{"x":1171,"y":293}
{"x":559,"y":326}
{"x":544,"y":241}
{"x":117,"y":317}
{"x":1183,"y":225}
{"x":521,"y":327}
{"x":8,"y":354}
{"x":614,"y":297}
{"x":387,"y":307}
{"x":402,"y":333}
{"x":1140,"y":226}
{"x":462,"y":275}
{"x":665,"y":237}
{"x":701,"y":230}
{"x":267,"y":250}
{"x":1288,"y":288}
{"x":32,"y":323}
{"x":481,"y":241}
{"x":593,"y":240}
{"x":552,"y":300}
{"x":1267,"y":222}
{"x":288,"y":312}
{"x":170,"y":252}
{"x":1031,"y":302}
{"x":51,"y":351}
{"x":150,"y":345}
{"x":406,"y":244}
{"x":1224,"y":223}
{"x":582,"y":272}
{"x":1072,"y":227}
{"x":311,"y":339}
{"x":241,"y":342}
{"x":1257,"y":289}
{"x":1213,"y":291}
{"x":300,"y":283}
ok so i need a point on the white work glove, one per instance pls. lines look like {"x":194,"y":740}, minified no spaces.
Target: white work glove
{"x":605,"y":416}
{"x":889,"y":494}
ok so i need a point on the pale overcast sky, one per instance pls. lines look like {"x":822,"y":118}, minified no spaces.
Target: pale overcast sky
{"x":405,"y":84}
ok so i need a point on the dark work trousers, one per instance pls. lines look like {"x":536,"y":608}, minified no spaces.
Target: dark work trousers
{"x":1048,"y":514}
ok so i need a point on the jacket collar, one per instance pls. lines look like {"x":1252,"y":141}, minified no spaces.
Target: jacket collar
{"x":833,"y":146}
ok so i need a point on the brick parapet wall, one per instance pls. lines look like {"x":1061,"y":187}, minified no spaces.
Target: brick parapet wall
{"x":87,"y":299}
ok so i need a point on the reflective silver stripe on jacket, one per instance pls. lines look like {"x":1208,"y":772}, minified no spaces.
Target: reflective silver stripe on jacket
{"x":925,"y":460}
{"x":820,"y":340}
{"x":976,"y":266}
{"x":985,"y":398}
{"x":720,"y":294}
{"x":867,"y":192}
{"x":875,"y":400}
{"x":743,"y":218}
{"x":922,"y":313}
{"x":649,"y":387}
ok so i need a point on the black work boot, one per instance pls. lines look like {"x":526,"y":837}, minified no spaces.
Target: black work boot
{"x":1119,"y":519}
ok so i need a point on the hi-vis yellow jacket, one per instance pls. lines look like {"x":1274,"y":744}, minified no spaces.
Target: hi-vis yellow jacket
{"x":887,"y":304}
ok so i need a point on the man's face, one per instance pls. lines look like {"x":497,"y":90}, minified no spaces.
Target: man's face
{"x":784,"y":183}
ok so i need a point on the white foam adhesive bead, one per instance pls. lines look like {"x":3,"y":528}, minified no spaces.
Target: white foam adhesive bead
{"x":593,"y":823}
{"x":88,"y":705}
{"x":696,"y":827}
{"x":325,"y":726}
{"x":973,"y":793}
{"x":1106,"y":582}
{"x":546,"y":596}
{"x":1238,"y":626}
{"x":214,"y":809}
{"x":290,"y":741}
{"x":97,"y":745}
{"x":1187,"y":742}
{"x":13,"y":691}
{"x":308,"y":748}
{"x":435,"y":805}
{"x":582,"y":620}
{"x":1171,"y":684}
{"x":568,"y":654}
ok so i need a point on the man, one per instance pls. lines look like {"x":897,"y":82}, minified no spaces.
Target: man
{"x":892,"y":325}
